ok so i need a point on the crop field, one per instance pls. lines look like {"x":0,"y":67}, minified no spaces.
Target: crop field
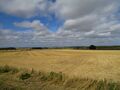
{"x":74,"y":63}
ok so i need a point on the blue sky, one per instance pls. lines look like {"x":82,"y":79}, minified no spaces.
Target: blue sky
{"x":51,"y":22}
{"x":26,"y":23}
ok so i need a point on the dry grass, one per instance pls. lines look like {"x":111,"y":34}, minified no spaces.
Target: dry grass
{"x":74,"y":63}
{"x":25,"y":79}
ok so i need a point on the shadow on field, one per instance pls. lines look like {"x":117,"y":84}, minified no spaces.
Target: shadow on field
{"x":22,"y":79}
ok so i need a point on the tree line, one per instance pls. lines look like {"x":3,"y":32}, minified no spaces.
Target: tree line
{"x":91,"y":47}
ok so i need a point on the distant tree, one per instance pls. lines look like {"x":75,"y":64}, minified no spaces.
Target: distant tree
{"x":92,"y":47}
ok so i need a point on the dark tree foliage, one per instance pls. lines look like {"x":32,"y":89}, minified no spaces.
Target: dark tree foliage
{"x":37,"y":48}
{"x":8,"y":48}
{"x":92,"y":47}
{"x":40,"y":47}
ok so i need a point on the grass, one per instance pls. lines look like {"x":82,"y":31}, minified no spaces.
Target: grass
{"x":22,"y":80}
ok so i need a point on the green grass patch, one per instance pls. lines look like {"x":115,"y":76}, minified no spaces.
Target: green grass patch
{"x":7,"y":69}
{"x":25,"y":76}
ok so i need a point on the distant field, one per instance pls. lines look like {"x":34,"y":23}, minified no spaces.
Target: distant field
{"x":74,"y":63}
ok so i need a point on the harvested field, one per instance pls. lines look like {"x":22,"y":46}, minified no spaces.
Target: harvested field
{"x":74,"y":63}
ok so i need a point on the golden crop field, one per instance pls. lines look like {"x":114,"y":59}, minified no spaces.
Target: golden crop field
{"x":74,"y":63}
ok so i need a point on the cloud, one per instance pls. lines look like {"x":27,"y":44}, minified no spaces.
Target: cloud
{"x":79,"y":8}
{"x":88,"y":19}
{"x":36,"y":25}
{"x":39,"y":29}
{"x":84,"y":24}
{"x":11,"y":38}
{"x":25,"y":8}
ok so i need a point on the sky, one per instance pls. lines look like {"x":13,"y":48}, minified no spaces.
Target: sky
{"x":48,"y":23}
